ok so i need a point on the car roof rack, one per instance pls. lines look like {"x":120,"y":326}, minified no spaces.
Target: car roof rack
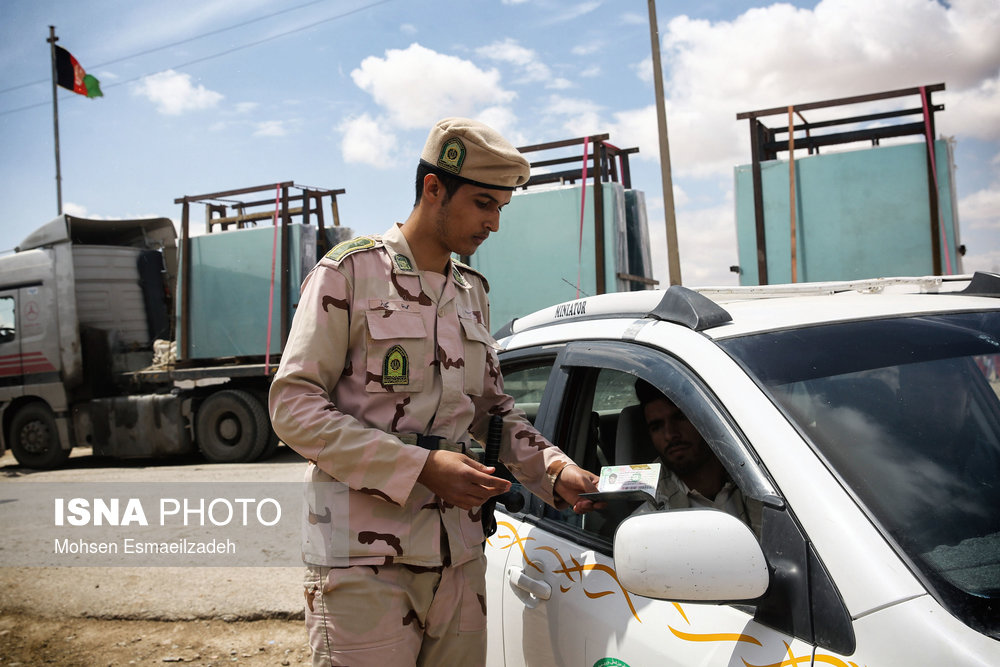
{"x":677,"y":304}
{"x":701,"y":309}
{"x":983,"y":284}
{"x":923,"y":284}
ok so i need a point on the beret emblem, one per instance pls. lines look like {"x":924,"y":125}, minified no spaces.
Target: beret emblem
{"x":452,"y":155}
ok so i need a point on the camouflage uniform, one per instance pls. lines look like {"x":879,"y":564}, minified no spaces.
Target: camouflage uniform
{"x":378,"y":349}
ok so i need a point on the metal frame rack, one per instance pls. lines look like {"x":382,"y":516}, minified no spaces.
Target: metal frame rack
{"x":595,"y":159}
{"x":765,"y":144}
{"x":243,"y":215}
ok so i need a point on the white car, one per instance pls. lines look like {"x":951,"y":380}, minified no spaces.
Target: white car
{"x":861,"y":419}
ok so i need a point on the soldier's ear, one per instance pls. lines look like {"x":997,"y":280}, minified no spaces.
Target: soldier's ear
{"x":433,"y":188}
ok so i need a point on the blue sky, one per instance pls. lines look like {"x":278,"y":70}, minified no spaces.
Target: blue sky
{"x":341,"y":94}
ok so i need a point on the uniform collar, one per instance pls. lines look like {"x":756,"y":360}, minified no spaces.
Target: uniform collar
{"x":402,"y":257}
{"x":399,"y":251}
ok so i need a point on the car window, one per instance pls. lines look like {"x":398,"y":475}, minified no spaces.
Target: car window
{"x":614,"y":391}
{"x":526,"y":378}
{"x":526,"y":382}
{"x":7,"y":328}
{"x":601,"y":423}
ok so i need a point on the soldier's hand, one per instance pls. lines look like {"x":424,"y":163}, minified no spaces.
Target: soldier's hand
{"x":459,"y":480}
{"x":574,"y":480}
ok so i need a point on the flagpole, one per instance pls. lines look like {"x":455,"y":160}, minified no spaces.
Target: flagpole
{"x":55,"y":114}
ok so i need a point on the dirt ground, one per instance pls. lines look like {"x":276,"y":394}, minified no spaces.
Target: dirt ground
{"x":88,"y":642}
{"x":78,"y":624}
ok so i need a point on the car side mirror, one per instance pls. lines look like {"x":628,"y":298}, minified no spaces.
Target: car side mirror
{"x":697,"y":555}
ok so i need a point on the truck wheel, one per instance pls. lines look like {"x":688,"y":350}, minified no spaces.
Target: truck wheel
{"x":34,"y":438}
{"x":273,"y":442}
{"x":231,"y":427}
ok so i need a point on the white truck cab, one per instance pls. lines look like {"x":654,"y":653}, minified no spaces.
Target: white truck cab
{"x":76,"y":308}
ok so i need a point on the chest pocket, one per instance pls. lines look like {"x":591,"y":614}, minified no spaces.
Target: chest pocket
{"x":397,"y":354}
{"x":478,"y":344}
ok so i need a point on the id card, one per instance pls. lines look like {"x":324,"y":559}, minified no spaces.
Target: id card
{"x":638,"y":477}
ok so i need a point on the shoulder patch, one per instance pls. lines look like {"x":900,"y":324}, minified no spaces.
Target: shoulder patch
{"x":342,"y":250}
{"x":458,"y":268}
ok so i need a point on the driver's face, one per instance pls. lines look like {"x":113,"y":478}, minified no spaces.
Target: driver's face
{"x":678,"y":442}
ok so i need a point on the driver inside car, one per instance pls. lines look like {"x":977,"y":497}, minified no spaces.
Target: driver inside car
{"x":691,"y":474}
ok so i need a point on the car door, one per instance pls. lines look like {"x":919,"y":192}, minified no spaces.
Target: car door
{"x":526,"y":378}
{"x":561,"y":601}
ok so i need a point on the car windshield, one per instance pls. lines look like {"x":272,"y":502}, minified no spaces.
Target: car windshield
{"x":906,"y":411}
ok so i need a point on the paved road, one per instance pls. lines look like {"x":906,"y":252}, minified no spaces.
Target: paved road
{"x":155,"y":593}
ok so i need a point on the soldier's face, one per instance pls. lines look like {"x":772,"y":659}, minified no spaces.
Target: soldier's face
{"x":466,"y":219}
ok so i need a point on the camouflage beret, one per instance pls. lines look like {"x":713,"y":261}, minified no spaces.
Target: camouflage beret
{"x":475,"y":153}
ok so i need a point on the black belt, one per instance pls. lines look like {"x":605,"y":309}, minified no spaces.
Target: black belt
{"x":435,"y":442}
{"x":430,"y":442}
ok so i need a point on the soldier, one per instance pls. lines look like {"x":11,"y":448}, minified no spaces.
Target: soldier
{"x":388,"y":368}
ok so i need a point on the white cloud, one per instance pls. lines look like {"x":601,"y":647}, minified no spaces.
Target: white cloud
{"x":530,"y":67}
{"x":559,"y":105}
{"x":246,"y":107}
{"x":580,"y":116}
{"x":681,"y":197}
{"x":417,"y":86}
{"x":981,"y":209}
{"x":705,"y":240}
{"x":270,"y":128}
{"x":979,"y":221}
{"x":644,"y":69}
{"x":173,"y":93}
{"x":408,"y":29}
{"x":509,"y":51}
{"x":577,"y":9}
{"x":503,"y":120}
{"x":976,"y":110}
{"x":637,"y":127}
{"x":988,"y":261}
{"x":366,"y":141}
{"x":776,"y":55}
{"x":77,"y":210}
{"x":587,"y":49}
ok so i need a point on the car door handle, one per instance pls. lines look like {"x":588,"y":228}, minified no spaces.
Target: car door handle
{"x":539,"y":589}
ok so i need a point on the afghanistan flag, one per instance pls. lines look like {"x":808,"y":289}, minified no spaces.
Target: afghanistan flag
{"x":71,"y":76}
